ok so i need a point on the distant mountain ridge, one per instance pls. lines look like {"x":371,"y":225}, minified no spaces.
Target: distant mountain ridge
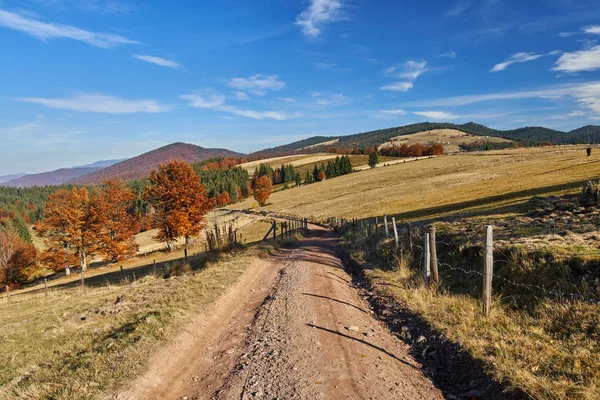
{"x":140,"y":166}
{"x":56,"y":177}
{"x":537,"y":135}
{"x":7,"y":178}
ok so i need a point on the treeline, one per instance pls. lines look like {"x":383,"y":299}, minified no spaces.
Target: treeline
{"x":413,"y":150}
{"x":483,"y":146}
{"x":287,"y":174}
{"x":283,"y":174}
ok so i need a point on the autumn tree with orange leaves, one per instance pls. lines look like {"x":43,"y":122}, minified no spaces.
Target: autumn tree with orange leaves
{"x":180,"y":202}
{"x":223,"y":199}
{"x":262,"y":189}
{"x":18,"y":259}
{"x":116,"y":222}
{"x":71,"y":228}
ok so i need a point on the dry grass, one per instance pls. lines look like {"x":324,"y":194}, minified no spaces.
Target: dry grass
{"x":450,"y":138}
{"x":442,"y":186}
{"x":296,"y":160}
{"x":77,"y":344}
{"x":546,"y":352}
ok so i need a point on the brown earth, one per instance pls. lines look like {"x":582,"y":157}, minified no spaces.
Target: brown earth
{"x":293,"y":327}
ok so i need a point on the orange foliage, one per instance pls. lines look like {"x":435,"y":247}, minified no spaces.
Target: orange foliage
{"x":18,"y":259}
{"x":70,"y":228}
{"x":262,"y":190}
{"x":180,"y":201}
{"x":321,"y":176}
{"x":117,"y":225}
{"x":223,"y":199}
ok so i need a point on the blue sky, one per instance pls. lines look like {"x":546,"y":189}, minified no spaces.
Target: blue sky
{"x":84,"y":80}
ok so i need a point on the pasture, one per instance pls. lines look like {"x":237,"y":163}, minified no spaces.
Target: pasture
{"x":483,"y":182}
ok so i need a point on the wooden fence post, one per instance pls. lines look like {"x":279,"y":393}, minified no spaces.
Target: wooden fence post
{"x":282,"y":231}
{"x":376,"y":227}
{"x":434,"y":264}
{"x":488,"y":271}
{"x":427,"y":261}
{"x":82,"y":278}
{"x":387,"y":232}
{"x":45,"y":287}
{"x":275,"y":231}
{"x":395,"y":230}
{"x":7,"y":293}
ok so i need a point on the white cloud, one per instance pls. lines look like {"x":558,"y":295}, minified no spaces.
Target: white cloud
{"x":45,"y":31}
{"x":593,"y":29}
{"x":436,"y":115}
{"x":398,"y":86}
{"x":333,"y":99}
{"x":576,"y":113}
{"x":207,"y":101}
{"x":370,"y":60}
{"x":566,"y":34}
{"x":448,"y":54}
{"x":410,"y":70}
{"x":579,"y":61}
{"x":586,"y":94}
{"x":318,"y":14}
{"x":163,"y":62}
{"x":241,"y":96}
{"x":287,"y":99}
{"x":393,"y":112}
{"x":319,"y":65}
{"x":257,"y":84}
{"x":99,"y":104}
{"x":276,"y":115}
{"x":217,"y":102}
{"x":515,"y":58}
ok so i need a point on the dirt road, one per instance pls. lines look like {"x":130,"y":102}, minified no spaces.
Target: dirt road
{"x":294,"y":327}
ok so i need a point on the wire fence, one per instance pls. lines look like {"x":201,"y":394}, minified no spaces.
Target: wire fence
{"x":374,"y":228}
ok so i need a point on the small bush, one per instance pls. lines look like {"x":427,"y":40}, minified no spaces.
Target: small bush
{"x":590,"y":193}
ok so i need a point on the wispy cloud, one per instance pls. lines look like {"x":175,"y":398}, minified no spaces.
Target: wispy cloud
{"x":241,"y":96}
{"x":514,"y":59}
{"x":389,"y":114}
{"x":370,"y":60}
{"x":409,"y":71}
{"x":579,"y":61}
{"x":102,"y":7}
{"x":398,"y":86}
{"x":216,"y":102}
{"x":287,"y":99}
{"x":448,"y":54}
{"x":459,"y":8}
{"x":98,"y":104}
{"x":163,"y":62}
{"x":592,"y":29}
{"x":318,"y":14}
{"x":329,"y":66}
{"x":257,"y":84}
{"x":46,"y":31}
{"x":436,"y":115}
{"x":333,"y":99}
{"x":204,"y":101}
{"x":587,"y":95}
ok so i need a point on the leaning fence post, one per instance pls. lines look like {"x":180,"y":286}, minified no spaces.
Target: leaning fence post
{"x":395,"y":231}
{"x":387,"y":232}
{"x":427,"y":261}
{"x":434,"y":264}
{"x":488,"y":271}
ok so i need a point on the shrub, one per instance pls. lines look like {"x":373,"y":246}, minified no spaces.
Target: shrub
{"x":590,"y":193}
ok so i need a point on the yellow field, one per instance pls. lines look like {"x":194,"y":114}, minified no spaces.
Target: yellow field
{"x":297,"y":160}
{"x":442,"y":186}
{"x":449,"y":138}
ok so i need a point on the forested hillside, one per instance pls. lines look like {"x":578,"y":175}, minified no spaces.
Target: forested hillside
{"x":140,"y":166}
{"x":524,"y":136}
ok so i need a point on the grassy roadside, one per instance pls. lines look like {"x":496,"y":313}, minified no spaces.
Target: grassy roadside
{"x":77,"y":344}
{"x":544,"y":347}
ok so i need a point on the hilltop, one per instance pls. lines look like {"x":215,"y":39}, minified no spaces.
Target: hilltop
{"x":525,"y":135}
{"x":140,"y":166}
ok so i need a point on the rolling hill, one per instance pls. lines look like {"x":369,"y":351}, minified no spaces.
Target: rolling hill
{"x":140,"y":166}
{"x":56,"y":177}
{"x":7,"y":178}
{"x":526,"y":135}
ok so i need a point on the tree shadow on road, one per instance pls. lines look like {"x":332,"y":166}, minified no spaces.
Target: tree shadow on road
{"x":336,"y":300}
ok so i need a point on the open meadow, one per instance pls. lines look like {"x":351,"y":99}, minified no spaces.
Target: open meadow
{"x":441,"y":186}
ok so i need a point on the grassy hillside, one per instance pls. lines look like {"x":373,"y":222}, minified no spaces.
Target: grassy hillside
{"x":442,"y":186}
{"x":526,"y":135}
